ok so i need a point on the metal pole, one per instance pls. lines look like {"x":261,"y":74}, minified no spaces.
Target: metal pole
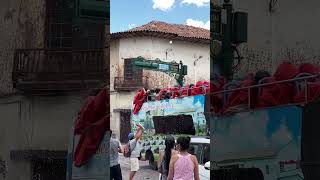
{"x":223,"y":62}
{"x":181,"y":76}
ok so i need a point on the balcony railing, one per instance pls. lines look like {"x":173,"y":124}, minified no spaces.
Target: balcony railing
{"x":130,"y":84}
{"x":47,"y":69}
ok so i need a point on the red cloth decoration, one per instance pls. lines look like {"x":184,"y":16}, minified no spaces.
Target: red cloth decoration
{"x":276,"y":94}
{"x":241,"y":96}
{"x":313,"y":93}
{"x":285,"y":71}
{"x":271,"y":95}
{"x":91,"y":124}
{"x":309,"y":68}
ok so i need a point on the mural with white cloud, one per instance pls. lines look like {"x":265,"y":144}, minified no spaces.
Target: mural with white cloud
{"x":193,"y":105}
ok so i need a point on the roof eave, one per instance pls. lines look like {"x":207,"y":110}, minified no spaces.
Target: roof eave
{"x":163,"y":35}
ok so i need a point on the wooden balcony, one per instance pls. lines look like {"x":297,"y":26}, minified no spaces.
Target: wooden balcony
{"x":52,"y":70}
{"x":130,"y":84}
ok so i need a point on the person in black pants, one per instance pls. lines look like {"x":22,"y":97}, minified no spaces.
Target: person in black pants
{"x":115,"y":149}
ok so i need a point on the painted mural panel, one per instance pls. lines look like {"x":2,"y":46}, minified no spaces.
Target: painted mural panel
{"x":272,"y":134}
{"x":193,"y":105}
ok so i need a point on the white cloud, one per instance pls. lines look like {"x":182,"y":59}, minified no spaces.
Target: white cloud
{"x":163,"y":5}
{"x":198,"y":23}
{"x":130,"y":26}
{"x":198,"y":3}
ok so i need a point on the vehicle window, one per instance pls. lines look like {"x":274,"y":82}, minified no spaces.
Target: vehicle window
{"x":194,"y":149}
{"x":206,"y":153}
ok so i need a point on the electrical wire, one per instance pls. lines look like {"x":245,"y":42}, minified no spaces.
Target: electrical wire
{"x":31,"y":119}
{"x":239,"y":58}
{"x":272,"y":4}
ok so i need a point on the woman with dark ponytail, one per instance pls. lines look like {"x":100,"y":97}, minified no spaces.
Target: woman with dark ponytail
{"x":183,"y":165}
{"x":164,"y":161}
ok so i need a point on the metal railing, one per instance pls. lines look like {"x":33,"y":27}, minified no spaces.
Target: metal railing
{"x":301,"y":78}
{"x":299,"y":84}
{"x":56,"y":69}
{"x":57,"y":65}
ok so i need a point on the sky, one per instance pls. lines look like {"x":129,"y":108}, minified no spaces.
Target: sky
{"x":127,"y":14}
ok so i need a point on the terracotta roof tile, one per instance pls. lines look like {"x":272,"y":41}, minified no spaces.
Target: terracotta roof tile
{"x":166,"y":30}
{"x":179,"y":29}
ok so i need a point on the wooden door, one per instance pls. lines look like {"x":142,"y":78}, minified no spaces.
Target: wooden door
{"x":125,"y":126}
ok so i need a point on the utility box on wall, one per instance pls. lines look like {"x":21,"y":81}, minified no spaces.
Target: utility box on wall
{"x":240,"y":27}
{"x":215,"y":25}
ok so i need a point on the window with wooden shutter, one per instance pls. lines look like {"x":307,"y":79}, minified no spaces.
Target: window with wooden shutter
{"x":59,"y":24}
{"x":131,"y":73}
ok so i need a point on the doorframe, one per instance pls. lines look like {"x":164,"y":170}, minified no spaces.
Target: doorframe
{"x":123,"y":111}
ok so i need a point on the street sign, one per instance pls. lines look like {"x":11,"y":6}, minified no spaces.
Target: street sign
{"x":164,"y":67}
{"x":172,"y":68}
{"x":154,"y":65}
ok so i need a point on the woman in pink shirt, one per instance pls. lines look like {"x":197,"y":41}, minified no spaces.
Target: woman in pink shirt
{"x":183,"y":166}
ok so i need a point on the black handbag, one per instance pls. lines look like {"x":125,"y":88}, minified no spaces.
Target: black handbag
{"x":140,"y":156}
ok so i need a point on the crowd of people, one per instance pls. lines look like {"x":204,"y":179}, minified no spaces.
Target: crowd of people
{"x":175,"y":162}
{"x":144,"y":94}
{"x":282,"y":91}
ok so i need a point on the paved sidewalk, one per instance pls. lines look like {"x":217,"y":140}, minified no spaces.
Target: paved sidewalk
{"x":145,"y":172}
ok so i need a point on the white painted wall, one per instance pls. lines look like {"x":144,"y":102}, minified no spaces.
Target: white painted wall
{"x":152,"y":48}
{"x":290,"y":32}
{"x":121,"y":100}
{"x":35,"y":123}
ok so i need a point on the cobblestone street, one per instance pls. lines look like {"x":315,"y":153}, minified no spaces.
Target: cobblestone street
{"x":145,"y":172}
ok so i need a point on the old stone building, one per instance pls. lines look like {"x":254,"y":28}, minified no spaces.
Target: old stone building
{"x":167,"y":42}
{"x":277,"y":31}
{"x":49,"y":62}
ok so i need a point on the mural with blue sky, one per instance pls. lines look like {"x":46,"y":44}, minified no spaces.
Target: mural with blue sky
{"x":271,"y":128}
{"x":193,"y":105}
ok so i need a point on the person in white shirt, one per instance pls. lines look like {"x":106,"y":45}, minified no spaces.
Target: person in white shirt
{"x":136,"y":148}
